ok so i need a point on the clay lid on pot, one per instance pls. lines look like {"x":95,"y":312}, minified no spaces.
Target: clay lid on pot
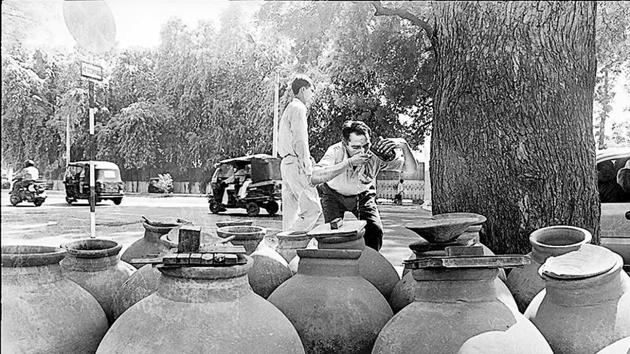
{"x":349,"y":231}
{"x":443,"y":228}
{"x":92,"y":248}
{"x":242,"y":232}
{"x":293,"y":235}
{"x":588,"y":261}
{"x":329,"y":254}
{"x":234,"y":223}
{"x":31,"y":256}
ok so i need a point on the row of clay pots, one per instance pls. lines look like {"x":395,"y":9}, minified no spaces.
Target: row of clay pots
{"x":58,"y":300}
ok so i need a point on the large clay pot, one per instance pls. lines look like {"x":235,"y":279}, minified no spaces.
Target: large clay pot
{"x":246,"y":236}
{"x":43,"y":312}
{"x":373,"y":266}
{"x":268,"y":272}
{"x":404,"y":291}
{"x":202,"y":310}
{"x":525,"y":283}
{"x":585,"y":305}
{"x":451,"y":306}
{"x":332,"y":307}
{"x":94,"y":265}
{"x":148,"y":245}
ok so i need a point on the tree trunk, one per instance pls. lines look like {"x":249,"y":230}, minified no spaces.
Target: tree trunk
{"x":513,"y":131}
{"x":605,"y":101}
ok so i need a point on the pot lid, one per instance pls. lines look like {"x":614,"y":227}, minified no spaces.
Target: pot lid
{"x":586,"y":262}
{"x":349,"y":231}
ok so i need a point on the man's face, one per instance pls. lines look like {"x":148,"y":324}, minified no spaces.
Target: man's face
{"x":308,"y":94}
{"x":357,"y":144}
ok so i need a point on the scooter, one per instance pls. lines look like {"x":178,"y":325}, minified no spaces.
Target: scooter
{"x":34,"y":192}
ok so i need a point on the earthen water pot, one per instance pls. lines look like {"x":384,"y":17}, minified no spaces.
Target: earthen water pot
{"x":148,"y":245}
{"x":373,"y":266}
{"x":202,"y":310}
{"x":246,"y":236}
{"x":43,"y":312}
{"x":451,"y":306}
{"x":524,"y":283}
{"x":332,"y":307}
{"x":585,"y":305}
{"x":94,"y":265}
{"x":268,"y":272}
{"x":145,"y":280}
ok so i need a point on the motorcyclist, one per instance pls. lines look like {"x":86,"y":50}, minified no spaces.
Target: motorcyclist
{"x":26,"y":176}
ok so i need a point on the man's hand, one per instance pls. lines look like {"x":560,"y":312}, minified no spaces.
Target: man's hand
{"x":359,"y":159}
{"x":384,"y":149}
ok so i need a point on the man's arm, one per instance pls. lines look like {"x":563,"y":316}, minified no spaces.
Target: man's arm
{"x":327,"y":169}
{"x":410,"y":165}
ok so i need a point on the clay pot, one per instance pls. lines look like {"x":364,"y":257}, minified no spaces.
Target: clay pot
{"x":524,"y":283}
{"x":268,"y":272}
{"x":404,"y":291}
{"x":202,"y":310}
{"x":247,"y":236}
{"x":332,"y":307}
{"x":451,"y":306}
{"x":43,"y":312}
{"x":373,"y":266}
{"x":148,"y":245}
{"x":291,"y":241}
{"x":585,"y":305}
{"x":94,"y":265}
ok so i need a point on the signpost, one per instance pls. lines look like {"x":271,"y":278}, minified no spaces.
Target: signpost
{"x":92,"y":25}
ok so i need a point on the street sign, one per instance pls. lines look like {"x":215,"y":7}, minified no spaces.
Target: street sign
{"x":91,"y":71}
{"x":91,"y":23}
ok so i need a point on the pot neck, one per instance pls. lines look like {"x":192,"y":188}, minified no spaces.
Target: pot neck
{"x":541,"y":252}
{"x":78,"y":264}
{"x":39,"y":275}
{"x":455,"y":285}
{"x":606,"y":287}
{"x":358,"y":244}
{"x":329,"y":263}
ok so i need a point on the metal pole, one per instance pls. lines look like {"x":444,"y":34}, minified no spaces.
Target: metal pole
{"x":276,"y":100}
{"x":92,"y":155}
{"x":67,"y":140}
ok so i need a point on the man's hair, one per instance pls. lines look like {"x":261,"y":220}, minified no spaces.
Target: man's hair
{"x":299,"y":82}
{"x":355,"y":126}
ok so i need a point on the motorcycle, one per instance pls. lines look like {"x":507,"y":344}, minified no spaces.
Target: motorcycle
{"x":33,"y":191}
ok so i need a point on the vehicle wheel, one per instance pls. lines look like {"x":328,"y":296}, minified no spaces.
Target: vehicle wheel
{"x":70,"y":200}
{"x":272,"y":207}
{"x":38,"y":202}
{"x":15,"y":199}
{"x":117,"y":201}
{"x":252,"y":209}
{"x":215,"y":207}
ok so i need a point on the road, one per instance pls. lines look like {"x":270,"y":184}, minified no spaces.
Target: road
{"x":56,"y":222}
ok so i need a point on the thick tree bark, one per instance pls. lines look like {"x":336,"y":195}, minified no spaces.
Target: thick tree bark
{"x":512,"y":133}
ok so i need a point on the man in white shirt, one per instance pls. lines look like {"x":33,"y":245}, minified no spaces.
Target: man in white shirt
{"x":300,"y":203}
{"x":28,"y":174}
{"x":346,"y":177}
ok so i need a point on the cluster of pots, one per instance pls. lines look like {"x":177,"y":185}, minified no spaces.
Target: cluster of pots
{"x":331,"y":295}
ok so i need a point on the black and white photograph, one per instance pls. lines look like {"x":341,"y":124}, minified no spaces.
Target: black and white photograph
{"x":315,"y":177}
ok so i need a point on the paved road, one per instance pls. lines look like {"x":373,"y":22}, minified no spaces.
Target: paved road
{"x":56,"y":222}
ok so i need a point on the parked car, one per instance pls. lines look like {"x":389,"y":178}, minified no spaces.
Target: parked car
{"x":251,"y":182}
{"x":615,"y":203}
{"x":107,"y":181}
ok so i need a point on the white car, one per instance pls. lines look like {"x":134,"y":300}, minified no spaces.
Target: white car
{"x":615,"y":203}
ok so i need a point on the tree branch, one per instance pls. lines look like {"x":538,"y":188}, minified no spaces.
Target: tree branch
{"x":380,"y":10}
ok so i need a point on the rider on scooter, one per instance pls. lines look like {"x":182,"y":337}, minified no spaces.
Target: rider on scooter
{"x":26,"y":176}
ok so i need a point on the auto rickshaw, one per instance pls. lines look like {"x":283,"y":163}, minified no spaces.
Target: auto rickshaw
{"x":107,"y":181}
{"x":250,"y":182}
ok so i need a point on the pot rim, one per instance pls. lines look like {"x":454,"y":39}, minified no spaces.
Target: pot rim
{"x":30,"y":257}
{"x":208,"y":273}
{"x":329,"y":253}
{"x":107,"y":248}
{"x":534,"y":236}
{"x":255,"y":233}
